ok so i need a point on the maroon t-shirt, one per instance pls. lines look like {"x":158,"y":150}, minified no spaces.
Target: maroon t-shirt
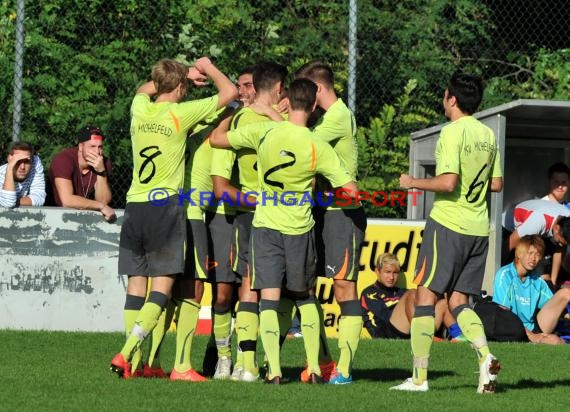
{"x":66,"y":165}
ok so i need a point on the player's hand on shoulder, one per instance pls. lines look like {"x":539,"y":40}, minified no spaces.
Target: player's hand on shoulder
{"x":283,"y":105}
{"x":266,"y":110}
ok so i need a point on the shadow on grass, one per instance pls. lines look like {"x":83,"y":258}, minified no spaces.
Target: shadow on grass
{"x":375,"y":375}
{"x":387,"y":374}
{"x":521,"y":385}
{"x":525,"y":384}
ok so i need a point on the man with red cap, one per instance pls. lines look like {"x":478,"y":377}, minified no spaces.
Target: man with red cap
{"x":79,"y":175}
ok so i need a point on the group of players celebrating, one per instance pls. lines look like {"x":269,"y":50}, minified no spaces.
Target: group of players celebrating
{"x":258,"y":137}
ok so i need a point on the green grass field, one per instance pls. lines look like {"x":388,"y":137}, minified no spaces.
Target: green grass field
{"x":57,"y":371}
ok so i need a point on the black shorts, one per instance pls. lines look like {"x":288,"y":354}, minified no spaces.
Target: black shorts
{"x":221,"y":227}
{"x":198,"y":262}
{"x":339,"y":235}
{"x":280,"y":260}
{"x":240,"y":242}
{"x":153,"y":239}
{"x":451,"y":261}
{"x":388,"y":331}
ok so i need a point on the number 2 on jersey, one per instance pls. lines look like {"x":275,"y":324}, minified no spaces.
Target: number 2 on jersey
{"x":279,"y":167}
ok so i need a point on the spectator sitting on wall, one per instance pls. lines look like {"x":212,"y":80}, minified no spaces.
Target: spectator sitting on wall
{"x":22,"y":181}
{"x":79,"y":175}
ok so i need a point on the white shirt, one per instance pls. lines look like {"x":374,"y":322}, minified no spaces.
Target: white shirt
{"x":33,"y":186}
{"x":535,"y":217}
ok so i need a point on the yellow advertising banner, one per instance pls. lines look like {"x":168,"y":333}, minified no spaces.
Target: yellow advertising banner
{"x":400,"y":237}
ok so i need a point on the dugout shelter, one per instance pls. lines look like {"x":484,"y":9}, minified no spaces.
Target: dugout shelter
{"x":532,"y":135}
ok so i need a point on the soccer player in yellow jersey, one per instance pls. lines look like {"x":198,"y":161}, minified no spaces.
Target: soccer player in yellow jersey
{"x":153,"y":237}
{"x":200,"y":260}
{"x":217,"y":360}
{"x":268,"y":81}
{"x":282,"y":253}
{"x":339,"y":230}
{"x":456,"y":237}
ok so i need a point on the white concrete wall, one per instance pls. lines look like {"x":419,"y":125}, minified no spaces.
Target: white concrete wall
{"x":58,"y":270}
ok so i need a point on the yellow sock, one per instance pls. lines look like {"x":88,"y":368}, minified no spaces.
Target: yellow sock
{"x":284,"y":315}
{"x":247,"y":322}
{"x":310,"y":331}
{"x":269,"y":332}
{"x":144,"y":323}
{"x":472,"y":328}
{"x":133,"y":305}
{"x":158,"y":333}
{"x":324,"y":351}
{"x":349,"y":329}
{"x":186,"y":320}
{"x":222,"y":332}
{"x":421,"y":331}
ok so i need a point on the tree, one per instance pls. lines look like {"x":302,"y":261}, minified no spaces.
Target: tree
{"x":383,"y":150}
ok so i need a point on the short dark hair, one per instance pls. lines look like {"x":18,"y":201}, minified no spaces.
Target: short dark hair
{"x":23,"y":146}
{"x":246,"y":70}
{"x":318,"y":72}
{"x":267,"y":74}
{"x":467,"y":90}
{"x":564,"y":223}
{"x":302,"y":95}
{"x":558,"y":167}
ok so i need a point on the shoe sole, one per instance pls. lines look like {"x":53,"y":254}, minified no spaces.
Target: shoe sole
{"x":119,"y":370}
{"x":315,"y":380}
{"x":494,"y":369}
{"x":326,"y":372}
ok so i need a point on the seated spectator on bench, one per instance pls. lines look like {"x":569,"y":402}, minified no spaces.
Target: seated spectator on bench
{"x":558,"y":181}
{"x":527,"y":295}
{"x":22,"y":181}
{"x":545,"y":218}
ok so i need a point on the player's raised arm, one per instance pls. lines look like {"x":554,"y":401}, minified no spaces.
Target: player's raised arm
{"x":219,"y":136}
{"x":227,"y":91}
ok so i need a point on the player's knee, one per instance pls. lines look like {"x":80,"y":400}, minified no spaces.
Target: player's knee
{"x":345,"y":290}
{"x":565,"y":293}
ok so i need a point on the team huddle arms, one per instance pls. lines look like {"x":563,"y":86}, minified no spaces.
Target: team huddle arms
{"x":256,"y":142}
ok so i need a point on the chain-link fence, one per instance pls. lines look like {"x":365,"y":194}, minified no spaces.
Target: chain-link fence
{"x":82,"y":60}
